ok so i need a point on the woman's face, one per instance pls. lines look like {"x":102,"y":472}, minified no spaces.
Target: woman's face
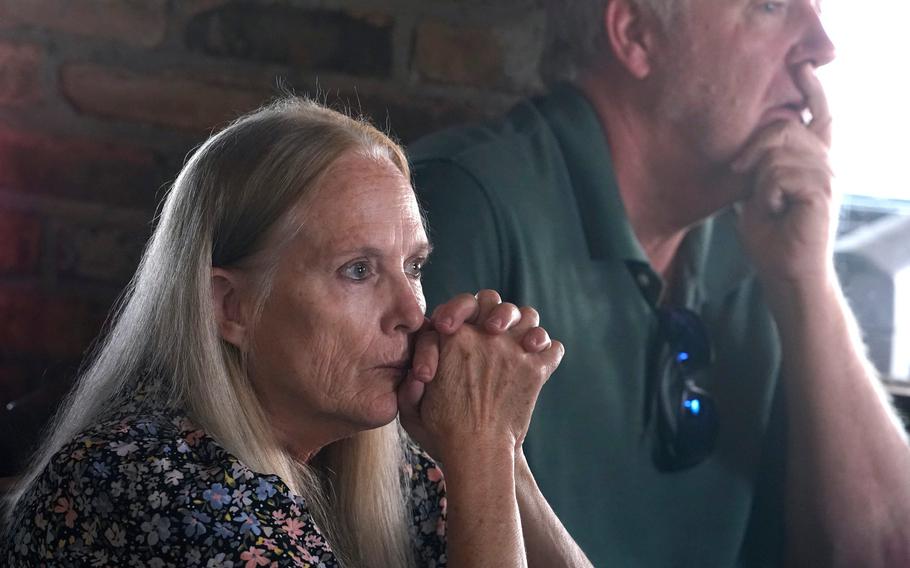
{"x":333,"y":342}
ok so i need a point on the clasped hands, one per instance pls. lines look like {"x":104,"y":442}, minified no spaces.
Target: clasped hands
{"x":477,"y":368}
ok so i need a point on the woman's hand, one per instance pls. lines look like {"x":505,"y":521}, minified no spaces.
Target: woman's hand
{"x":478,"y":367}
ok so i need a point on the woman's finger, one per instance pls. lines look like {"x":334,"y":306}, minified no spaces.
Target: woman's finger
{"x":448,"y":317}
{"x":502,"y":317}
{"x":487,"y":301}
{"x":529,"y":319}
{"x":536,"y":340}
{"x":426,"y":355}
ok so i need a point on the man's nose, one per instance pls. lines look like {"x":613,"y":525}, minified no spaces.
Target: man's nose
{"x":814,"y":45}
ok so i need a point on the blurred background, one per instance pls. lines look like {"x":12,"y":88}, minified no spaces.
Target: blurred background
{"x":101,"y":100}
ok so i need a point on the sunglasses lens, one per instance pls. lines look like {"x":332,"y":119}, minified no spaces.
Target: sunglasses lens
{"x":697,"y":427}
{"x":687,"y":419}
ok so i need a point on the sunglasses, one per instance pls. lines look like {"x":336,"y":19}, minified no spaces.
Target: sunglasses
{"x":686,"y":415}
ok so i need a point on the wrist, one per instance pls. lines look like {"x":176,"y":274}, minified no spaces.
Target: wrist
{"x":784,"y":294}
{"x":476,"y":452}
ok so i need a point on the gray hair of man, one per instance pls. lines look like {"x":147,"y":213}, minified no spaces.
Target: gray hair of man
{"x":237,"y":191}
{"x":577,"y":33}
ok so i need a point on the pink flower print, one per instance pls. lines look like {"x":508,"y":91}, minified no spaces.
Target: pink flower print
{"x":293,"y":527}
{"x":307,"y":556}
{"x":64,"y":505}
{"x":254,"y":557}
{"x":314,"y":541}
{"x":434,"y":474}
{"x":279,"y":515}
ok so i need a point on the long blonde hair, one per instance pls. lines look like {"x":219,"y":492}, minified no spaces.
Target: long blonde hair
{"x":238,"y":187}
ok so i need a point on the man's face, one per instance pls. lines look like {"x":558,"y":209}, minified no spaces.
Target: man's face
{"x":725,"y":70}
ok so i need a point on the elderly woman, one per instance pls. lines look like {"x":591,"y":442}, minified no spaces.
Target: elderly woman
{"x":242,"y":409}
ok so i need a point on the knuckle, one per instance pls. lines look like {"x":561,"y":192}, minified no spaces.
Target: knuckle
{"x":529,"y":313}
{"x":489,"y":295}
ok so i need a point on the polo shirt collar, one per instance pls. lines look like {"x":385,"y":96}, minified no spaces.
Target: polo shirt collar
{"x":587,"y":156}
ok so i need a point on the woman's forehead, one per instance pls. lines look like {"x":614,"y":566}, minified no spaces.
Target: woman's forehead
{"x":363,"y":198}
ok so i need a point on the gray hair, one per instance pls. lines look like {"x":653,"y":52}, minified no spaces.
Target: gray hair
{"x":576,"y":31}
{"x":235,"y":192}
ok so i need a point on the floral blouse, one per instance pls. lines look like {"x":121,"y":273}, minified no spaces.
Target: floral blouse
{"x":152,"y":489}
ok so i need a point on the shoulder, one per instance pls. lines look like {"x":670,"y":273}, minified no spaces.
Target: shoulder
{"x":485,"y":154}
{"x":155,"y":489}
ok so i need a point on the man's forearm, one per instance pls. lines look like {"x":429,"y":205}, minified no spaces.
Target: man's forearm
{"x":547,"y":542}
{"x":848,"y":485}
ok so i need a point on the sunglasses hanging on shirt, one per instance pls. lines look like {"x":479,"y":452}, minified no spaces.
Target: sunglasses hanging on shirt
{"x":685,"y":413}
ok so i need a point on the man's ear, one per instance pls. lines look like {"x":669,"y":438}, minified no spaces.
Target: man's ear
{"x":228,"y":304}
{"x":630,"y":36}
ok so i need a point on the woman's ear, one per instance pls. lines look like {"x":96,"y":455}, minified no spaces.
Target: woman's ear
{"x":228,"y":303}
{"x":630,"y":35}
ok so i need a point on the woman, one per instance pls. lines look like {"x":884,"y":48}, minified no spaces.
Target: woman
{"x":242,"y":410}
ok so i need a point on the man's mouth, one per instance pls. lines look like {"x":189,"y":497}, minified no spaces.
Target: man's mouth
{"x":796,"y":111}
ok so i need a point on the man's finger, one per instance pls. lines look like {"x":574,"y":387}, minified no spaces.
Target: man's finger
{"x":807,"y":82}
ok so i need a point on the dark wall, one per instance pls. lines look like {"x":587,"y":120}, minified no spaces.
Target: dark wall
{"x":100,"y":101}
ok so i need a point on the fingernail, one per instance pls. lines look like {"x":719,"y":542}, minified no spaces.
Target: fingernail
{"x":423,"y":372}
{"x":497,"y":323}
{"x":447,"y":323}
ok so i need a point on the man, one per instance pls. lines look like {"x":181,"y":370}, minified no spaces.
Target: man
{"x":685,"y":167}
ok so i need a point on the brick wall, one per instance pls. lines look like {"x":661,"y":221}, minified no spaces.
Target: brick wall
{"x":100,"y":100}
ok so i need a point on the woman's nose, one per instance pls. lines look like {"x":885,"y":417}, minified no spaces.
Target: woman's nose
{"x":407,"y":307}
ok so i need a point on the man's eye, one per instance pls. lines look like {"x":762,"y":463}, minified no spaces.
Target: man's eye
{"x":414,"y":268}
{"x":359,"y":270}
{"x":771,"y":7}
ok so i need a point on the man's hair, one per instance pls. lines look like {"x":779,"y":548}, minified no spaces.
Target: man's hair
{"x":577,"y":37}
{"x":238,"y":195}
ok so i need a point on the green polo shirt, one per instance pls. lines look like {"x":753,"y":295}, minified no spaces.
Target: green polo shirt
{"x":529,"y":206}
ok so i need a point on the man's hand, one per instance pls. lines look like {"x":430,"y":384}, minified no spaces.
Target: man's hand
{"x":785,"y":221}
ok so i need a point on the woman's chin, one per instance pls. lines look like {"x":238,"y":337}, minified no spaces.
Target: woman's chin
{"x":383,"y":410}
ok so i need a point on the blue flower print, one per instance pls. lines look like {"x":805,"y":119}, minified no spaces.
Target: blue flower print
{"x":195,"y":523}
{"x":248,"y":524}
{"x":217,"y":496}
{"x":264,"y":490}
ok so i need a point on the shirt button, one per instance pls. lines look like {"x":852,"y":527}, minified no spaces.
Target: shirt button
{"x":643,"y":280}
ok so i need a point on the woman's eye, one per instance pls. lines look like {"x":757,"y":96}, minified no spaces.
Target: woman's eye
{"x":359,"y":270}
{"x":414,"y":268}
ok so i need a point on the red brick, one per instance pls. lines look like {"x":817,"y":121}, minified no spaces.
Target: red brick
{"x":56,"y":326}
{"x":20,"y":243}
{"x":459,"y":54}
{"x":21,"y":66}
{"x":322,"y":40}
{"x":141,"y":23}
{"x":99,"y":251}
{"x":168,"y":100}
{"x":77,"y":168}
{"x":409,"y":117}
